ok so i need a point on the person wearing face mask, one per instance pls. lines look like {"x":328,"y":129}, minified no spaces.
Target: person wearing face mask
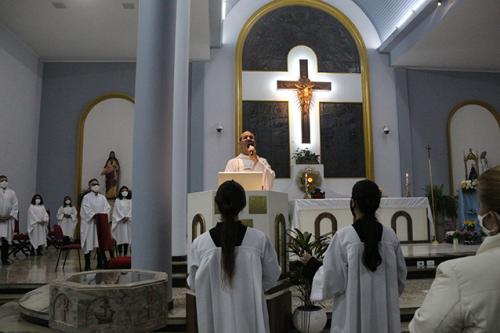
{"x":121,"y":219}
{"x":38,"y":220}
{"x":363,"y":270}
{"x":93,"y":204}
{"x":465,"y":295}
{"x":248,"y":160}
{"x":8,"y":216}
{"x":66,"y":217}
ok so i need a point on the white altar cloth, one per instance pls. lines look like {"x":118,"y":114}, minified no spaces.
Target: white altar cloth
{"x":300,"y":206}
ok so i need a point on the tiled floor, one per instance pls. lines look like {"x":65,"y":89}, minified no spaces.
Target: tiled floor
{"x":40,"y":270}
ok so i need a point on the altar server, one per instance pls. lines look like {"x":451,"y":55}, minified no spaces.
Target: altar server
{"x":230,"y":267}
{"x":121,"y":219}
{"x":363,"y":270}
{"x":8,"y":216}
{"x":66,"y":217}
{"x":38,"y":219}
{"x":92,"y":203}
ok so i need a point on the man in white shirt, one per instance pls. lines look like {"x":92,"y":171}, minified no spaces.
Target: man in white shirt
{"x":248,"y":160}
{"x":93,"y":203}
{"x":8,"y":216}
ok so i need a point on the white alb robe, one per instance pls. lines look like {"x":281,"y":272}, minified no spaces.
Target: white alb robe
{"x":92,"y":204}
{"x":67,"y":224}
{"x":120,"y":229}
{"x":364,"y":301}
{"x":241,"y":308}
{"x":8,"y":208}
{"x":243,"y":162}
{"x":37,"y":225}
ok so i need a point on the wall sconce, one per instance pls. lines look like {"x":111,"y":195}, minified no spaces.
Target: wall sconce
{"x":219,"y":128}
{"x":386,"y":130}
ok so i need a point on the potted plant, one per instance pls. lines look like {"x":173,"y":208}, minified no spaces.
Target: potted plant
{"x":444,"y":207}
{"x":305,"y":156}
{"x":309,"y":317}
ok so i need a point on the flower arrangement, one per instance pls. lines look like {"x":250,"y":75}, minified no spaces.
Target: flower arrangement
{"x":466,"y":235}
{"x":305,"y":156}
{"x":468,"y":185}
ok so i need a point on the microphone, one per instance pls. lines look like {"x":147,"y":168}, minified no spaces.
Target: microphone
{"x":250,"y":145}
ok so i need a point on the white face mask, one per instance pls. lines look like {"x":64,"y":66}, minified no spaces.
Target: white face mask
{"x":67,"y":202}
{"x":124,"y":194}
{"x":4,"y":184}
{"x":481,"y":223}
{"x":38,"y":201}
{"x":95,"y":188}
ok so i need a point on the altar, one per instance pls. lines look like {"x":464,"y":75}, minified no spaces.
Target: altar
{"x":410,"y":218}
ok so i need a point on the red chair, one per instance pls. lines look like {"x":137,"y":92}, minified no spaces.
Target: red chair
{"x":65,"y":247}
{"x":20,"y":242}
{"x":122,"y":262}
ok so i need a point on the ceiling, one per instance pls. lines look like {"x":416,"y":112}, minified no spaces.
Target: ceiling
{"x":463,"y":38}
{"x":466,"y":38}
{"x":93,"y":30}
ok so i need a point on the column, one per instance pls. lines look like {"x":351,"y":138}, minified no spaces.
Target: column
{"x":180,"y":130}
{"x":152,"y":163}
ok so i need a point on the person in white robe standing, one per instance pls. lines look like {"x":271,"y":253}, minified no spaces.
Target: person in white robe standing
{"x":8,"y":217}
{"x":229,"y":268}
{"x":92,"y":203}
{"x":248,"y":160}
{"x":38,"y":219}
{"x":363,"y":270}
{"x":121,"y":219}
{"x":66,"y":217}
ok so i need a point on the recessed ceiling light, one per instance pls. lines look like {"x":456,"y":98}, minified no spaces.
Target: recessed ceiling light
{"x":59,"y":5}
{"x":128,"y":5}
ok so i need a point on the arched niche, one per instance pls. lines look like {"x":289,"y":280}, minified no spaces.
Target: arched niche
{"x":106,"y":124}
{"x":471,"y":125}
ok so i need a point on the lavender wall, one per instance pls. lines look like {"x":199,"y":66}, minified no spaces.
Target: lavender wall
{"x":425,"y":100}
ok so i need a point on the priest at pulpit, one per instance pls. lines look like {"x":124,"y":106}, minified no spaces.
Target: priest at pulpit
{"x":248,"y":160}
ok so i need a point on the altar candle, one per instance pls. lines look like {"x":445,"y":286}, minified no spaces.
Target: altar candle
{"x":407,"y":185}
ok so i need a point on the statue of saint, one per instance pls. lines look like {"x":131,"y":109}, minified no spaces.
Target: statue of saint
{"x":484,"y":161}
{"x":112,"y":173}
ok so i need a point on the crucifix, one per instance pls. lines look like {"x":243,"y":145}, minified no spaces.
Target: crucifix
{"x":304,"y":89}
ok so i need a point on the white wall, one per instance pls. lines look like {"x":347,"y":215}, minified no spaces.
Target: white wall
{"x":219,"y":101}
{"x":20,"y":95}
{"x":109,"y":127}
{"x":472,"y":127}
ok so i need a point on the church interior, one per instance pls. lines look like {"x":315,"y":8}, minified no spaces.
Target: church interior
{"x":144,"y":102}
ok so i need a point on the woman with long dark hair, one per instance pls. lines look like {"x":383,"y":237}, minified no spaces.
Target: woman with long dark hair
{"x":363,"y":270}
{"x":229,"y":268}
{"x":38,"y":219}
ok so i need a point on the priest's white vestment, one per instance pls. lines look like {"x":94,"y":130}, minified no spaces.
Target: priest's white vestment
{"x":37,"y":225}
{"x":243,"y":162}
{"x":92,"y":203}
{"x":120,"y":221}
{"x":364,"y":301}
{"x":8,"y":210}
{"x":242,"y":307}
{"x":67,"y":224}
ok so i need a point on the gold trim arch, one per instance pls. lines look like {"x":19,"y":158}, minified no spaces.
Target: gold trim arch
{"x":347,"y":23}
{"x":454,"y":110}
{"x":81,"y":127}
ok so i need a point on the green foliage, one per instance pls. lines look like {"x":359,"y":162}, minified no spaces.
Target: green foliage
{"x":445,"y":206}
{"x":301,"y":242}
{"x":305,"y":156}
